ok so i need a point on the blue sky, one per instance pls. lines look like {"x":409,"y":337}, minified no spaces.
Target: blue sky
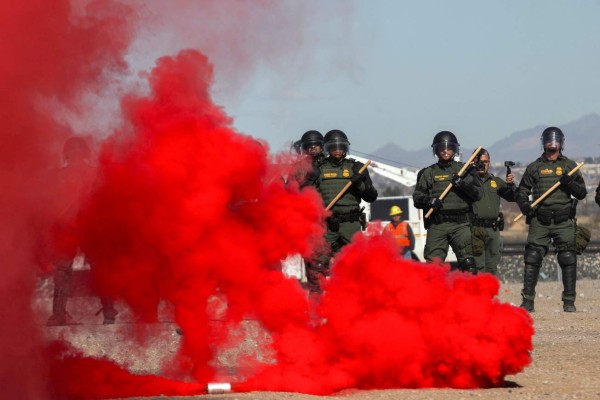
{"x":400,"y":71}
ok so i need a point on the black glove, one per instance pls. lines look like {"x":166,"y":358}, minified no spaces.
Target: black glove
{"x":435,"y":203}
{"x":357,"y":177}
{"x":566,"y":180}
{"x":526,"y":209}
{"x":456,"y":180}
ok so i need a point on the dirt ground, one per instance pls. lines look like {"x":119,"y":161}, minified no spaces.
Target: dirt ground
{"x":566,"y":360}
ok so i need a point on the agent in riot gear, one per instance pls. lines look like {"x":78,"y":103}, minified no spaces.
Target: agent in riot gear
{"x":347,"y":216}
{"x":73,"y":183}
{"x":554,"y":218}
{"x":449,"y":224}
{"x":487,"y":221}
{"x":311,"y":143}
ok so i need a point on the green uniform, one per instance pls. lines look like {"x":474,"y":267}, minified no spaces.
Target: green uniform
{"x":448,"y":226}
{"x":347,"y":217}
{"x":487,"y":222}
{"x":551,"y":222}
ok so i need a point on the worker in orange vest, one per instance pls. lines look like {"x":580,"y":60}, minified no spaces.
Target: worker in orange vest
{"x":402,"y":232}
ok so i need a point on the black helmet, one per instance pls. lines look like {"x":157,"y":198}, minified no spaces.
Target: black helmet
{"x":76,"y":147}
{"x":336,"y":140}
{"x":445,"y":140}
{"x":552,"y":134}
{"x":311,"y":138}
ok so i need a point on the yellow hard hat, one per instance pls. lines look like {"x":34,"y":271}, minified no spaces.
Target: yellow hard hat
{"x":395,"y":210}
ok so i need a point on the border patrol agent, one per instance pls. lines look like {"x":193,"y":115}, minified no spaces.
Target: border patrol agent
{"x":311,"y":143}
{"x":553,"y":220}
{"x":347,"y":218}
{"x":449,"y":224}
{"x":487,"y":220}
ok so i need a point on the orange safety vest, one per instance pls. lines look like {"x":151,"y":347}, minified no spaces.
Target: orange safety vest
{"x":400,"y":233}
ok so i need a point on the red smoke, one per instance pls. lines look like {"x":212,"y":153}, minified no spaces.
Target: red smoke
{"x":50,"y":55}
{"x":190,"y":209}
{"x":187,"y":209}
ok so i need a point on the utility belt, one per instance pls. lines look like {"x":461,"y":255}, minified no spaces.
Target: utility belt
{"x":334,"y":221}
{"x":496,"y":224}
{"x":547,"y":217}
{"x":457,"y":217}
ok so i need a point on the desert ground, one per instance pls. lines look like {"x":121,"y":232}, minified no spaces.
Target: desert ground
{"x":566,"y":360}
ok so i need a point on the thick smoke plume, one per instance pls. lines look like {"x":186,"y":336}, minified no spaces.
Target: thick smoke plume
{"x":50,"y":53}
{"x":185,"y":210}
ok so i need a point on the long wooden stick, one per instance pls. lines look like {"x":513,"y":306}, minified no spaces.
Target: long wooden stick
{"x":341,"y":193}
{"x":462,"y":171}
{"x":549,"y":191}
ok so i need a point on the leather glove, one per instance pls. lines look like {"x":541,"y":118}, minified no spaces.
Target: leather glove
{"x":565,"y":179}
{"x":527,"y":210}
{"x":435,"y":203}
{"x":356,"y":177}
{"x":456,"y":180}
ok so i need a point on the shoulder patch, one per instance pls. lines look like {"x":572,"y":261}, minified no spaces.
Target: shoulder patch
{"x":493,"y":183}
{"x":559,"y":171}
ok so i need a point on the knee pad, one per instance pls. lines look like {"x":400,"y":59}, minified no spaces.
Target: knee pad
{"x":533,"y":255}
{"x":565,"y":258}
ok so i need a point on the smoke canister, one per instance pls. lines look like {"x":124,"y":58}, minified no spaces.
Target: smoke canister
{"x":218,"y":388}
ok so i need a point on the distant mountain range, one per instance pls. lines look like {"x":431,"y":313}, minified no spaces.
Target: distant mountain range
{"x":582,"y":139}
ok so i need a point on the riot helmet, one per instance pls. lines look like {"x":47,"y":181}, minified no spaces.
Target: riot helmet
{"x":336,"y":140}
{"x":445,"y":140}
{"x":311,"y":138}
{"x":553,"y":139}
{"x":76,"y":149}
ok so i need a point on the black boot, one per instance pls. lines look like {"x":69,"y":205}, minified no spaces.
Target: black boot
{"x":108,"y":311}
{"x":568,"y":263}
{"x":530,"y":278}
{"x":62,"y":287}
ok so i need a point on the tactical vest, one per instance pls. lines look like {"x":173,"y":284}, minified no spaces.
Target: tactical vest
{"x":441,"y":177}
{"x":400,"y":233}
{"x":547,"y":173}
{"x":489,"y":205}
{"x":333,"y":178}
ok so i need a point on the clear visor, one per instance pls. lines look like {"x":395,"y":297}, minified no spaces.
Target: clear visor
{"x":439,"y":147}
{"x":333,"y":146}
{"x":307,"y":145}
{"x":553,"y":139}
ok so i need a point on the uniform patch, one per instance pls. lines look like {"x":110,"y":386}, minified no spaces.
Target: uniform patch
{"x":546,"y":171}
{"x":559,"y":171}
{"x":329,"y":174}
{"x":441,"y":177}
{"x":493,"y":184}
{"x":346,"y":173}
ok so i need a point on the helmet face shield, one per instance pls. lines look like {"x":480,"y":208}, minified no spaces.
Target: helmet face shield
{"x":336,"y":145}
{"x":552,"y":140}
{"x":311,"y":143}
{"x":439,"y":147}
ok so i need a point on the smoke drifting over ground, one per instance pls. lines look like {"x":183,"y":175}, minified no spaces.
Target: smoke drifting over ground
{"x":185,"y":209}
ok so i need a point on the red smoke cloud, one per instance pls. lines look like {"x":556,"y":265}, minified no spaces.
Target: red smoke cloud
{"x":391,"y":323}
{"x":187,"y":208}
{"x":49,"y":55}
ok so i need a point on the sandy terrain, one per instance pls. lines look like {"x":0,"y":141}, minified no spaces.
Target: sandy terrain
{"x":566,"y":360}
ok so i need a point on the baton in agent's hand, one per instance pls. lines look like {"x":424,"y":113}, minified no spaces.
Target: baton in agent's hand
{"x":460,"y":173}
{"x":341,"y":193}
{"x":552,"y":189}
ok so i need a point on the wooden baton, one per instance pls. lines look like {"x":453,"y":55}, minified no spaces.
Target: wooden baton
{"x":549,"y":191}
{"x":462,"y":171}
